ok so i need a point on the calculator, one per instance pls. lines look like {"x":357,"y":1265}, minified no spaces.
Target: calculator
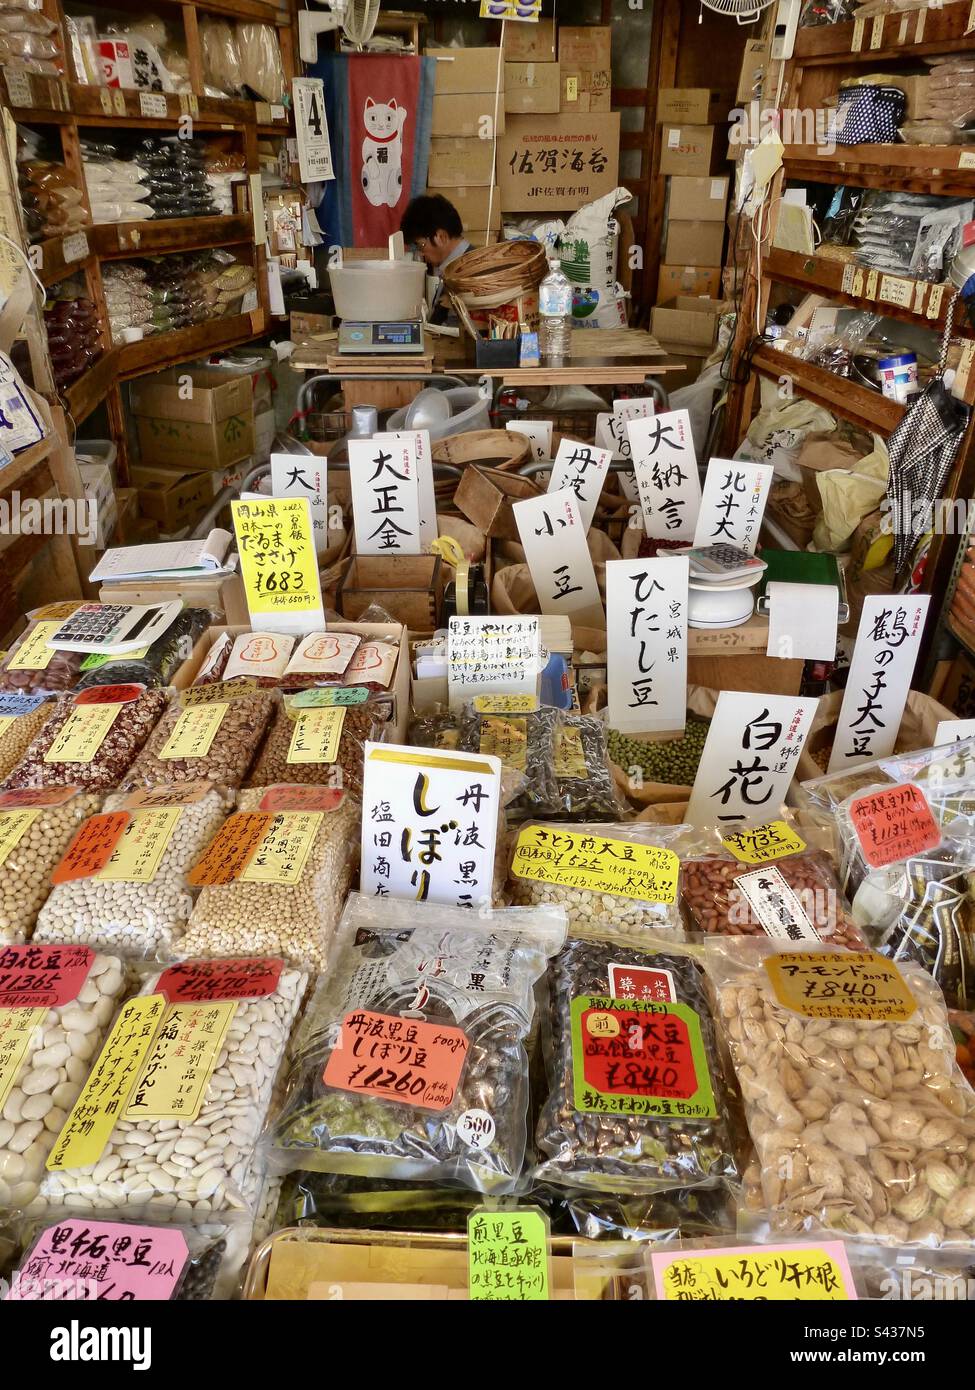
{"x":723,"y":562}
{"x":113,"y":628}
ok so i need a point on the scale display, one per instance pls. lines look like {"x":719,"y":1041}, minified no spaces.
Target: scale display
{"x":404,"y":337}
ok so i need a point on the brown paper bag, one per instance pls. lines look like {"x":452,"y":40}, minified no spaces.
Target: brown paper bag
{"x":513,"y":592}
{"x":922,"y":715}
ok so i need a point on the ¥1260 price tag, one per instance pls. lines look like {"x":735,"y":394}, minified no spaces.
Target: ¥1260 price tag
{"x":403,"y":1060}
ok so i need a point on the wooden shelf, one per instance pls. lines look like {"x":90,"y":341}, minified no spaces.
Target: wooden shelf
{"x":162,"y":350}
{"x":91,"y":389}
{"x":912,"y":168}
{"x":116,"y":240}
{"x":889,"y":36}
{"x":49,"y":260}
{"x":59,"y":101}
{"x":824,"y":276}
{"x":858,"y":404}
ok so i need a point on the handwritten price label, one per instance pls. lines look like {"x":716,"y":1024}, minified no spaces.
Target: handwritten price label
{"x":402,"y":1060}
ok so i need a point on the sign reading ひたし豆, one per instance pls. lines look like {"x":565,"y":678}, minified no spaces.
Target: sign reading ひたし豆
{"x":647,"y":643}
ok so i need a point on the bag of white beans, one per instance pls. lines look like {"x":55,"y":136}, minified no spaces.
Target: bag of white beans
{"x":36,"y":828}
{"x":25,"y":716}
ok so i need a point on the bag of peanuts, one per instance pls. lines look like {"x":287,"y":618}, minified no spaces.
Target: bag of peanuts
{"x":862,"y":1123}
{"x":213,"y":739}
{"x":323,"y":745}
{"x":36,"y":828}
{"x":122,"y":884}
{"x":181,"y":1138}
{"x":21,"y":719}
{"x":411,"y":1058}
{"x":275,"y":877}
{"x":90,"y":740}
{"x":637,"y":1097}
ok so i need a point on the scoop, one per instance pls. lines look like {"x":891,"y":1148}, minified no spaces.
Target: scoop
{"x":427,"y":410}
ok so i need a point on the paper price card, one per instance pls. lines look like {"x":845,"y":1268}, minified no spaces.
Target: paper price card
{"x":200,"y":981}
{"x":110,"y":694}
{"x":894,"y":824}
{"x":300,"y":798}
{"x":95,"y":659}
{"x":5,"y":722}
{"x":109,"y":1261}
{"x":219,"y":691}
{"x":297,"y":475}
{"x":278,"y":563}
{"x":385,"y":496}
{"x":16,"y":1030}
{"x":492,"y":656}
{"x":505,"y":704}
{"x":647,"y":643}
{"x":733,"y":504}
{"x":156,"y":798}
{"x":194,"y":731}
{"x":583,"y":469}
{"x":667,"y":480}
{"x":507,"y":1256}
{"x":570,"y":757}
{"x":177,"y":1071}
{"x":847,"y":984}
{"x":34,"y":654}
{"x":776,"y":906}
{"x":762,"y":843}
{"x":138,"y":853}
{"x":92,"y":847}
{"x":13,"y":827}
{"x":106,"y":1092}
{"x":639,"y":1058}
{"x":82,"y":734}
{"x":37,"y":796}
{"x":403,"y":1060}
{"x":12,"y":706}
{"x":317,"y":735}
{"x":554,"y":539}
{"x":230,"y":849}
{"x":755,"y":1273}
{"x":887,"y":644}
{"x":507,"y":739}
{"x":331,"y":697}
{"x":283,"y":852}
{"x":42,"y":976}
{"x":598,"y":863}
{"x":953,"y":730}
{"x":642,"y":982}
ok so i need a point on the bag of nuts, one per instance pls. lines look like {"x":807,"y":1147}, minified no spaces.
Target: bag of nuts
{"x":862,"y":1122}
{"x":212,"y":741}
{"x":945,"y":774}
{"x":36,"y":828}
{"x":286,"y":898}
{"x":90,"y":741}
{"x":324,"y":746}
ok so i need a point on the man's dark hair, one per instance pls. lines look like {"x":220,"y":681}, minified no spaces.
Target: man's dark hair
{"x":429,"y":214}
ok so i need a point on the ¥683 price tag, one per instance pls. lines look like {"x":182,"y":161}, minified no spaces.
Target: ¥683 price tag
{"x":278,"y":563}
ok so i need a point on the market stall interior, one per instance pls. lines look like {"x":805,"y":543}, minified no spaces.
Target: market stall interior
{"x":487,"y":692}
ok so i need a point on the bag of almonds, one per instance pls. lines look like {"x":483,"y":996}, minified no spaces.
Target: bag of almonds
{"x":36,"y":828}
{"x":211,"y":740}
{"x":862,"y":1122}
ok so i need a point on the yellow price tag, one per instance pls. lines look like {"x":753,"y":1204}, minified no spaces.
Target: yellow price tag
{"x":16,"y":1030}
{"x":13,"y":827}
{"x":136,"y":857}
{"x":284,"y":850}
{"x":105,"y":1094}
{"x":34,"y":654}
{"x":847,"y":984}
{"x":317,"y":735}
{"x":763,"y":843}
{"x":181,"y":1062}
{"x":82,"y":733}
{"x":505,"y":704}
{"x":570,"y":757}
{"x":755,"y":1273}
{"x":597,"y":862}
{"x":507,"y":739}
{"x":277,"y":556}
{"x":194,"y":731}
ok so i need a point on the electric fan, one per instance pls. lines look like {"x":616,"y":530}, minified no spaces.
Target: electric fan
{"x":744,"y":11}
{"x":357,"y":19}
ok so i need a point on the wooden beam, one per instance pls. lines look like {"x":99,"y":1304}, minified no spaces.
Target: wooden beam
{"x":664,"y":38}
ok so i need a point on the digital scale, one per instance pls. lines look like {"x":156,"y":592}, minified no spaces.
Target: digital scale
{"x":401,"y":339}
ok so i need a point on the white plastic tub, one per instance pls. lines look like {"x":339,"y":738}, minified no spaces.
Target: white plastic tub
{"x":378,"y":291}
{"x":469,"y":411}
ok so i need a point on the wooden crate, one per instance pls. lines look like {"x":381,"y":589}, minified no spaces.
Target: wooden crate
{"x":409,"y":587}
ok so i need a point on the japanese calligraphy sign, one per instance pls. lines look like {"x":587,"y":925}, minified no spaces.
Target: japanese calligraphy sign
{"x":278,"y":563}
{"x":284,"y":848}
{"x":639,"y":1058}
{"x":551,"y":162}
{"x":42,"y":977}
{"x":304,"y":475}
{"x":14,"y":825}
{"x":647,"y":643}
{"x":385,"y":496}
{"x":82,"y":733}
{"x":177,"y":1071}
{"x":953,"y":730}
{"x":429,"y":824}
{"x":750,"y":756}
{"x":420,"y":440}
{"x":583,"y":469}
{"x":492,"y":656}
{"x":137,"y":854}
{"x":113,"y":1261}
{"x":537,"y":432}
{"x":311,"y":128}
{"x":894,"y":824}
{"x":877,"y":687}
{"x":554,"y":540}
{"x":91,"y":846}
{"x":507,"y":1256}
{"x":840,"y":984}
{"x":401,"y":1060}
{"x":667,"y":478}
{"x":196,"y":981}
{"x":13,"y":706}
{"x":763,"y":843}
{"x":776,"y":906}
{"x":611,"y":434}
{"x":317,"y":735}
{"x":194,"y":730}
{"x":641,"y":982}
{"x":596,"y":863}
{"x":748,"y":1273}
{"x":34,"y":654}
{"x":231,"y":849}
{"x":733,"y":504}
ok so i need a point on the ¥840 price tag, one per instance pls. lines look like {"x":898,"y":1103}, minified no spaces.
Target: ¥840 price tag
{"x":749,"y":1273}
{"x":620,"y":867}
{"x":847,"y":984}
{"x":763,"y":843}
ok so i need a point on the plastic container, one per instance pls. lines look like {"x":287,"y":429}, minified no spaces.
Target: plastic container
{"x":898,"y":376}
{"x":374,"y":291}
{"x":555,"y":310}
{"x":468,"y":411}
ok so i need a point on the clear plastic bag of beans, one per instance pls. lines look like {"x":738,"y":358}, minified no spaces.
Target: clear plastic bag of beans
{"x":203,"y":1159}
{"x":215,"y":662}
{"x":138,"y":904}
{"x":20,"y":724}
{"x":36,"y":827}
{"x":585,"y":788}
{"x":862,"y":1122}
{"x":31,"y":667}
{"x":437,"y":728}
{"x":324,"y":746}
{"x":946,"y":776}
{"x":411,"y":1060}
{"x":623,"y":879}
{"x":525,"y":743}
{"x":637,"y":1097}
{"x":287,"y":899}
{"x":160,"y":661}
{"x":90,"y":745}
{"x":213,"y":741}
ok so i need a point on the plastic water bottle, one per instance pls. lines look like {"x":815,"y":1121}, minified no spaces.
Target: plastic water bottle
{"x":555,"y":308}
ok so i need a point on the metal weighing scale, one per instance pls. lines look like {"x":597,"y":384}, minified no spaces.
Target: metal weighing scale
{"x":400,"y":339}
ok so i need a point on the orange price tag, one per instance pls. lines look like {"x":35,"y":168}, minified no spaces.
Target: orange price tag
{"x":894,"y":824}
{"x":402,"y":1060}
{"x":92,"y":846}
{"x":230,"y":850}
{"x":289,"y":798}
{"x":109,"y":694}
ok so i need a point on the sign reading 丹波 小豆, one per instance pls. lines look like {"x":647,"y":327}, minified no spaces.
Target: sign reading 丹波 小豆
{"x":646,"y":603}
{"x":278,"y":563}
{"x":733,"y":504}
{"x":427,"y":501}
{"x":492,"y":656}
{"x":429,"y":824}
{"x":750,"y":757}
{"x":385,"y":496}
{"x":888,"y":638}
{"x":554,"y":539}
{"x":667,"y":479}
{"x":304,"y":475}
{"x":583,"y":468}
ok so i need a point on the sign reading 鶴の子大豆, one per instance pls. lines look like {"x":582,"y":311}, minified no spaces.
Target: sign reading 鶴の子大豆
{"x":646,"y":601}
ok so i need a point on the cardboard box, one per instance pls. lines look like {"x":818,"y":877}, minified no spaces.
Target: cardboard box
{"x":303,"y":325}
{"x":528,"y":186}
{"x":685,"y":105}
{"x":472,"y":204}
{"x":531,"y":88}
{"x":752,"y":61}
{"x":586,"y":77}
{"x":463,"y":114}
{"x":408,"y":587}
{"x":530,"y":43}
{"x":485,"y":495}
{"x":585,"y":45}
{"x":701,"y":243}
{"x":687,"y":322}
{"x":265,"y":429}
{"x":674,"y":280}
{"x":459,"y":162}
{"x":174,"y":497}
{"x":687,"y":149}
{"x":212,"y":424}
{"x":463,"y":70}
{"x":697,"y":199}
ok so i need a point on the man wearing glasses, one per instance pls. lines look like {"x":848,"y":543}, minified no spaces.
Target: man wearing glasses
{"x":432,"y":225}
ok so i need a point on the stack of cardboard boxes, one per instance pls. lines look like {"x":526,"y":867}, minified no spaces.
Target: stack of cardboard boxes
{"x":470,"y":85}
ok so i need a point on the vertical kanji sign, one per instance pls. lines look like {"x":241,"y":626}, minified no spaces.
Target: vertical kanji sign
{"x":646,"y":601}
{"x":733,"y":504}
{"x":554,"y":539}
{"x":385,"y":496}
{"x":304,"y":475}
{"x":667,"y":478}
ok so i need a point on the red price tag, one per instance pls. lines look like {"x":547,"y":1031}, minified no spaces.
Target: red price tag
{"x":200,"y":981}
{"x":894,"y":824}
{"x":638,"y":1054}
{"x":92,"y":846}
{"x":42,"y":977}
{"x":292,"y":798}
{"x":109,"y":694}
{"x":403,"y":1060}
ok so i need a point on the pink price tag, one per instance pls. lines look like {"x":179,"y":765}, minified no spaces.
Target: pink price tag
{"x":89,"y":1260}
{"x":42,"y":977}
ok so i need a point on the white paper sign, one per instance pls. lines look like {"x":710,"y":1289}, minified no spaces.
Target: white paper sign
{"x":304,"y":475}
{"x":951,"y":730}
{"x":539,"y":432}
{"x":583,"y":468}
{"x":776,"y":906}
{"x":667,"y":478}
{"x":888,"y":638}
{"x":611,"y":434}
{"x":750,"y":757}
{"x":733,"y":504}
{"x":420,"y":440}
{"x":385,"y":496}
{"x":554,"y":540}
{"x":646,"y":601}
{"x":802,"y":621}
{"x":492,"y":656}
{"x":311,"y":128}
{"x":429,"y":824}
